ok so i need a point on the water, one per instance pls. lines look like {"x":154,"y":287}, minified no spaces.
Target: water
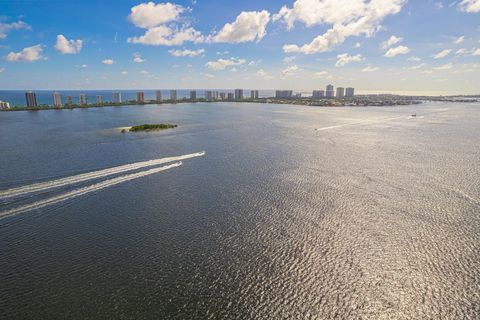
{"x":292,"y":213}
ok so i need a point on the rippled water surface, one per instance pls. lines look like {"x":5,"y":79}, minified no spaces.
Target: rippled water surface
{"x":292,"y":213}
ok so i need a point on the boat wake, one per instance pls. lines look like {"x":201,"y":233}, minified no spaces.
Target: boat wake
{"x":43,"y":186}
{"x":38,"y":187}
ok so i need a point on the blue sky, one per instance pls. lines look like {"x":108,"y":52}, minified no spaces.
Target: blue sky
{"x":418,"y":46}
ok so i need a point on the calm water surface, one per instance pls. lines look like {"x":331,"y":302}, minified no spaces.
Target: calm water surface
{"x":293,"y":213}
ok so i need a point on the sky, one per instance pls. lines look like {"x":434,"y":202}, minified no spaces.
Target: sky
{"x":376,"y":46}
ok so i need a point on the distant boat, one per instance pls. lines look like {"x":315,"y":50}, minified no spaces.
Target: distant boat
{"x":413,"y":115}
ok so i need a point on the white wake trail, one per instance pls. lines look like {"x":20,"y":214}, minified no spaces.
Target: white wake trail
{"x":42,"y":186}
{"x":361,"y":122}
{"x":82,"y":191}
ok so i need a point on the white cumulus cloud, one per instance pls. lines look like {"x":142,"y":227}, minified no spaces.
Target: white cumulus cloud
{"x":459,"y":40}
{"x":393,"y":40}
{"x":137,"y":58}
{"x":263,"y":74}
{"x":392,"y":52}
{"x":167,"y":36}
{"x":65,"y":46}
{"x":470,"y":6}
{"x":249,"y":26}
{"x":221,"y":64}
{"x":5,"y":28}
{"x":369,"y":69}
{"x":346,"y":17}
{"x":108,"y":61}
{"x":290,"y":70}
{"x":442,"y":54}
{"x":163,"y":24}
{"x":447,"y":66}
{"x":187,"y":53}
{"x":343,"y":59}
{"x":149,"y":15}
{"x":28,"y":54}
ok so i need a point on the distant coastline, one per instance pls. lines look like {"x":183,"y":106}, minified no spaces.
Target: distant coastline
{"x":357,"y":101}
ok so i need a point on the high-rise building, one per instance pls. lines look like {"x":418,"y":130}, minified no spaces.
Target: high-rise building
{"x":340,"y":92}
{"x":69,"y":100}
{"x":330,"y":93}
{"x":230,"y":96}
{"x":140,"y":97}
{"x":173,"y":95}
{"x":4,"y":105}
{"x":99,"y":99}
{"x":222,"y":95}
{"x":215,"y":95}
{"x":31,"y":99}
{"x":57,"y":99}
{"x":318,"y":94}
{"x":349,"y":92}
{"x":117,"y":97}
{"x":254,"y":94}
{"x":208,"y":95}
{"x":238,"y":94}
{"x":193,"y":95}
{"x":82,"y":99}
{"x":283,"y":94}
{"x":158,"y":95}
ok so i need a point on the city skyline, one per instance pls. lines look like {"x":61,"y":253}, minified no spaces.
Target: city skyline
{"x":432,"y":47}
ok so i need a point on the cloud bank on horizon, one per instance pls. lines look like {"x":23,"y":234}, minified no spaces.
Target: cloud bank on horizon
{"x":374,"y":45}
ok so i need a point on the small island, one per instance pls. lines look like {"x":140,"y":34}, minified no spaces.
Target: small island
{"x":150,"y":127}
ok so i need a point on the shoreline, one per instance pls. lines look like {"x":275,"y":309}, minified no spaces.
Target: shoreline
{"x":306,"y":102}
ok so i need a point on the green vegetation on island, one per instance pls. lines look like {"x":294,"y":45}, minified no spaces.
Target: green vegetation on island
{"x":151,"y":127}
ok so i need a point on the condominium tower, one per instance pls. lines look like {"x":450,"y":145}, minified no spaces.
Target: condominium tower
{"x":349,"y":92}
{"x":57,"y":99}
{"x":158,"y":95}
{"x":238,"y":94}
{"x":173,"y":95}
{"x":318,"y":94}
{"x":330,"y":93}
{"x":31,"y":99}
{"x":82,"y":99}
{"x":340,"y":92}
{"x":117,"y":97}
{"x":140,"y":97}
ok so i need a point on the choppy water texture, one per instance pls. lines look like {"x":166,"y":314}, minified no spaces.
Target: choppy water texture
{"x":292,"y":213}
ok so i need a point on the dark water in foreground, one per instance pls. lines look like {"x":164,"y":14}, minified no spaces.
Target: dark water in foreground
{"x":375,"y":216}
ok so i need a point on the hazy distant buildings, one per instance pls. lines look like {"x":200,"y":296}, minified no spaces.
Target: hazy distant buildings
{"x":238,"y":94}
{"x":330,"y":93}
{"x":173,"y":95}
{"x":82,"y":99}
{"x":4,"y":105}
{"x":340,"y":92}
{"x":141,"y":97}
{"x":349,"y":92}
{"x":193,"y":95}
{"x":69,"y":100}
{"x":254,"y":94}
{"x":208,"y":95}
{"x":318,"y":94}
{"x":230,"y":96}
{"x":99,"y":100}
{"x":31,"y":98}
{"x":117,"y":97}
{"x":283,"y":94}
{"x":57,"y":99}
{"x":158,"y":95}
{"x":222,"y":95}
